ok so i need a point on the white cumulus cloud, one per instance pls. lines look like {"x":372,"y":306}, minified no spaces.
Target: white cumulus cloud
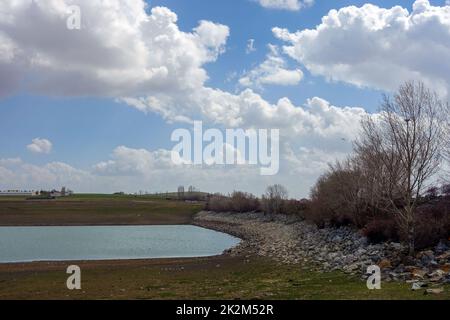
{"x":130,"y":162}
{"x":120,"y":49}
{"x":375,"y":47}
{"x":39,"y":145}
{"x":292,"y":5}
{"x":17,"y":174}
{"x":273,"y":71}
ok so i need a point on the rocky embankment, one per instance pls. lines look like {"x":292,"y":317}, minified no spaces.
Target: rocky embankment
{"x":297,"y":242}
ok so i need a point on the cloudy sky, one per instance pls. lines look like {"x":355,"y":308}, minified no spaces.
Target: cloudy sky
{"x":93,"y":109}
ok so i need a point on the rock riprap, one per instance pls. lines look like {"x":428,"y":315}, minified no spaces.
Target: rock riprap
{"x":291,"y":241}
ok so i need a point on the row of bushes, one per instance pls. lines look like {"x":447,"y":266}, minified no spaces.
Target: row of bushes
{"x":236,"y":202}
{"x":240,"y":202}
{"x":335,"y":207}
{"x":432,"y":223}
{"x":432,"y":218}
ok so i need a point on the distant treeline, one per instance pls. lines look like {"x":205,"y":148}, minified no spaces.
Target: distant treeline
{"x":274,"y":201}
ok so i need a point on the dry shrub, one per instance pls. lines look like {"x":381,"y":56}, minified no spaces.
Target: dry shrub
{"x":445,"y":190}
{"x":318,"y":213}
{"x":378,"y":231}
{"x":433,"y":223}
{"x":219,"y":203}
{"x":238,"y":202}
{"x":273,"y":201}
{"x":335,"y":201}
{"x":194,"y":196}
{"x":244,"y":202}
{"x":295,"y":207}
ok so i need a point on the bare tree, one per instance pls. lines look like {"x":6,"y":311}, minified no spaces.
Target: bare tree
{"x":338,"y":198}
{"x":349,"y":182}
{"x":181,"y":193}
{"x":377,"y":182}
{"x":274,"y":198}
{"x":244,"y":202}
{"x":405,"y":144}
{"x":446,"y":143}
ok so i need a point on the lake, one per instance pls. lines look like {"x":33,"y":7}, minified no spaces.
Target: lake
{"x":26,"y":244}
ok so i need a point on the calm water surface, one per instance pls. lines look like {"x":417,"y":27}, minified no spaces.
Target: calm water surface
{"x":25,"y":244}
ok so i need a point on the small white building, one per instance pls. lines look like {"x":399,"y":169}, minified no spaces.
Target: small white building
{"x":16,"y":193}
{"x":32,"y":193}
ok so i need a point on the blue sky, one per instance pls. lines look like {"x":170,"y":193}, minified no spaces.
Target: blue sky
{"x":85,"y":130}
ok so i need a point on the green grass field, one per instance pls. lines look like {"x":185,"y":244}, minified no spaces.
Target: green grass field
{"x":95,"y":209}
{"x":203,"y":278}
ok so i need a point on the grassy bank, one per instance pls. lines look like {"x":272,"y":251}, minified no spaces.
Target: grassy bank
{"x":202,"y":278}
{"x":91,"y":209}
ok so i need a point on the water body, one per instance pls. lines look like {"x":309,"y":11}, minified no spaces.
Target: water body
{"x":26,"y":244}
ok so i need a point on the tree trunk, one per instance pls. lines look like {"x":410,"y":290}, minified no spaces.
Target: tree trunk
{"x":411,"y":244}
{"x":411,"y":235}
{"x":409,"y":229}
